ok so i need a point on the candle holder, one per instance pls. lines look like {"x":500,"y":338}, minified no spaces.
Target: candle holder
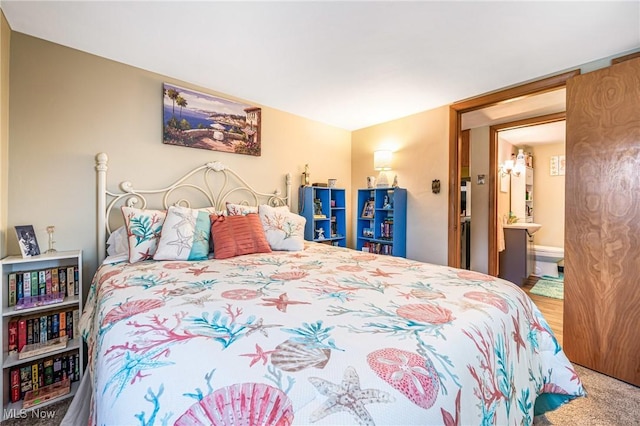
{"x":50,"y":231}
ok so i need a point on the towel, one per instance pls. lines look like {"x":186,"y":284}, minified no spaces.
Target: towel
{"x":501,"y":244}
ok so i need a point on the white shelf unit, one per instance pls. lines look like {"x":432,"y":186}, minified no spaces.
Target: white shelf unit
{"x":522,"y":195}
{"x":17,"y":264}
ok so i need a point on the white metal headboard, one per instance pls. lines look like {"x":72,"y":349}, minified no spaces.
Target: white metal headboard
{"x":218,"y":185}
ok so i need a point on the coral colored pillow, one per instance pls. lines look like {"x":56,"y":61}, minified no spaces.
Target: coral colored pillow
{"x":237,"y":235}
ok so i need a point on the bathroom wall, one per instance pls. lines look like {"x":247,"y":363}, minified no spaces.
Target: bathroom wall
{"x":548,"y":196}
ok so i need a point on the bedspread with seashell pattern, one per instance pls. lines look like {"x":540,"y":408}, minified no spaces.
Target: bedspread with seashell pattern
{"x":325,"y":335}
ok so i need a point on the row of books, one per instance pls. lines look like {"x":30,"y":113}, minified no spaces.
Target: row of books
{"x":27,"y":284}
{"x":42,"y":328}
{"x":386,"y":229}
{"x":377,"y":248}
{"x":44,"y":372}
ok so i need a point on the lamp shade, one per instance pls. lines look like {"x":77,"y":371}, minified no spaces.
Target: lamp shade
{"x":382,"y":160}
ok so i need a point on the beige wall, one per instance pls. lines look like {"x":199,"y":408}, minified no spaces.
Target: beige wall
{"x":479,"y":165}
{"x":5,"y":48}
{"x":548,"y":196}
{"x":67,"y":105}
{"x":420,"y":143}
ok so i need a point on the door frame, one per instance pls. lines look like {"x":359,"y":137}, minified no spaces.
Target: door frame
{"x":455,"y":140}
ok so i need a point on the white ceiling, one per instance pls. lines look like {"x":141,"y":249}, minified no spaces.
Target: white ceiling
{"x":536,"y":135}
{"x":348,"y":64}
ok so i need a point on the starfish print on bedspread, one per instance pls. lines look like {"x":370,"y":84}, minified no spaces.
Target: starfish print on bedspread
{"x":282,"y":302}
{"x":347,"y":396}
{"x":260,"y":327}
{"x":260,"y":355}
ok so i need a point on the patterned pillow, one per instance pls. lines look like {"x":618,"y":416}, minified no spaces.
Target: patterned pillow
{"x":143,"y":229}
{"x":237,"y":235}
{"x":240,"y":209}
{"x":185,"y":235}
{"x":284,"y":230}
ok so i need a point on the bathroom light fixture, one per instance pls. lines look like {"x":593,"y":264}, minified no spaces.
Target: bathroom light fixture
{"x":382,"y":162}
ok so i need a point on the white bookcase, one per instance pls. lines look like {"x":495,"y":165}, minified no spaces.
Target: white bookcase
{"x":11,"y":361}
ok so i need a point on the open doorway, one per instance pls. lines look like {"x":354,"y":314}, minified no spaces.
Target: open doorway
{"x":502,"y":98}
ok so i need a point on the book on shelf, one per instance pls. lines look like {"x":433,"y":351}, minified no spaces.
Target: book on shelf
{"x":55,"y":281}
{"x":35,"y":286}
{"x":26,"y":284}
{"x":13,"y":336}
{"x":12,"y":289}
{"x":15,"y":385}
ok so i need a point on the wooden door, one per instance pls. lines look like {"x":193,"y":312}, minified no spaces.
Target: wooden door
{"x":602,"y":211}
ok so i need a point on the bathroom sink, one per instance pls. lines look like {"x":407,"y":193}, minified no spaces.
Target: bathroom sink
{"x":532,"y":228}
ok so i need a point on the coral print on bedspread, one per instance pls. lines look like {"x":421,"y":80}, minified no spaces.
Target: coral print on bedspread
{"x":320,"y":336}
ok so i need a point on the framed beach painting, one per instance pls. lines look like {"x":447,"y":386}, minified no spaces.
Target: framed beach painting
{"x":199,"y":120}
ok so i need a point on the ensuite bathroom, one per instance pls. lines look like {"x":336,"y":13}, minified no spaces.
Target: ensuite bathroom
{"x":531,"y":192}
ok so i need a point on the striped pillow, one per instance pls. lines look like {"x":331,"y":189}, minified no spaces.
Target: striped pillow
{"x":237,"y":235}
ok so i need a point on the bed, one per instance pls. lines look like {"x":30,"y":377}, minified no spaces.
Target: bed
{"x":314,"y":334}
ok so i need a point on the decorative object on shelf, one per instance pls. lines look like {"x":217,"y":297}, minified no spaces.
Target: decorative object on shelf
{"x":382,"y":163}
{"x":306,"y":176}
{"x":371,"y":181}
{"x":317,"y":209}
{"x":27,"y":240}
{"x":332,"y":183}
{"x":368,"y":210}
{"x":386,"y":203}
{"x":435,"y":186}
{"x":50,"y":230}
{"x":199,"y":120}
{"x":395,"y":182}
{"x":320,"y":233}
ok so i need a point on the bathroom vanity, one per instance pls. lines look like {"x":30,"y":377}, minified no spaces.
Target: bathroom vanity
{"x":517,"y":259}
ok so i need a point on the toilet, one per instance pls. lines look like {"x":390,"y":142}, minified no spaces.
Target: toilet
{"x":546,"y":260}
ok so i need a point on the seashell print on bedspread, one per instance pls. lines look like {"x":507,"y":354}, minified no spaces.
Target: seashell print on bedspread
{"x":321,"y":336}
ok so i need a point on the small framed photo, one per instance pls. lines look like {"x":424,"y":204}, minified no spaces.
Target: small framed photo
{"x":368,"y":210}
{"x":27,"y":240}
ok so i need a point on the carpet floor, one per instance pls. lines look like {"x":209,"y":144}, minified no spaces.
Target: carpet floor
{"x":609,"y":402}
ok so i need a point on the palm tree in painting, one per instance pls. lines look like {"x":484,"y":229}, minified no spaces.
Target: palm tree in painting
{"x":173,"y":94}
{"x":181,"y":102}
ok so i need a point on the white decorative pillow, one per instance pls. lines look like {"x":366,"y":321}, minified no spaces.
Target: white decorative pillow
{"x":185,"y":234}
{"x":118,"y":242}
{"x":240,"y":209}
{"x":143,"y":229}
{"x":284,"y":230}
